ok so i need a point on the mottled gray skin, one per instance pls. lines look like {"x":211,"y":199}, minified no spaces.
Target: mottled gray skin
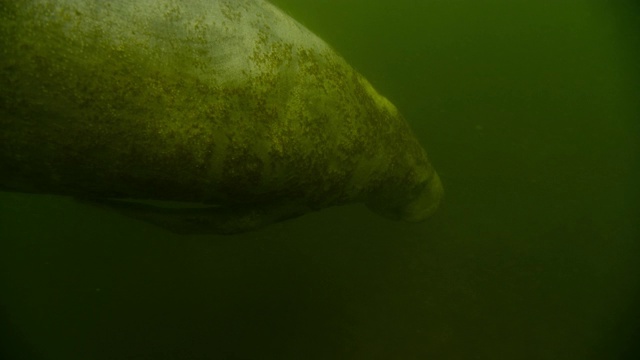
{"x":229,"y":103}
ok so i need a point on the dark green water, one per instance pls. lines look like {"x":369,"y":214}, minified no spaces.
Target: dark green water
{"x":530,"y":111}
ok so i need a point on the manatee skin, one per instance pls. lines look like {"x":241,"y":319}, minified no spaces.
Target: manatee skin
{"x":224,"y":102}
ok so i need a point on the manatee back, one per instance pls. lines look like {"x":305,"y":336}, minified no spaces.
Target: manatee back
{"x":226,"y":102}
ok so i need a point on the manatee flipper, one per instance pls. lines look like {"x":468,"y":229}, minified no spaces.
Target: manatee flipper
{"x":204,"y":220}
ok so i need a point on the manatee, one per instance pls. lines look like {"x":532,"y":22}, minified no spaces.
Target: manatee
{"x":230,"y":106}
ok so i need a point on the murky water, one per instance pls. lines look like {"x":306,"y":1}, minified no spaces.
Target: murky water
{"x":529,"y":111}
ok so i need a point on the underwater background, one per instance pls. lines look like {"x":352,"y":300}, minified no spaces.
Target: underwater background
{"x":530,"y":112}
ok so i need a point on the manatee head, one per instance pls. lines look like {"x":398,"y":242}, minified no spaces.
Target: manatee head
{"x":414,"y":197}
{"x":426,"y":201}
{"x":409,"y":187}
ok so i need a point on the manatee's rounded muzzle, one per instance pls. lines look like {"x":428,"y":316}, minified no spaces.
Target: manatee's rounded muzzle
{"x":426,"y":203}
{"x":423,"y":203}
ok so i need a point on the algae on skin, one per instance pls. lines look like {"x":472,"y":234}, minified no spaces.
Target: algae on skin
{"x":229,"y":103}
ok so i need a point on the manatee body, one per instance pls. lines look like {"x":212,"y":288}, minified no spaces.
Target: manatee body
{"x":227,"y":103}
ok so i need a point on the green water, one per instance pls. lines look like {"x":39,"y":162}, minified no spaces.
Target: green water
{"x":530,"y":111}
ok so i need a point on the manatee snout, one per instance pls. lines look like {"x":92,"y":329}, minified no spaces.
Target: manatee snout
{"x":419,"y":205}
{"x":426,"y":203}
